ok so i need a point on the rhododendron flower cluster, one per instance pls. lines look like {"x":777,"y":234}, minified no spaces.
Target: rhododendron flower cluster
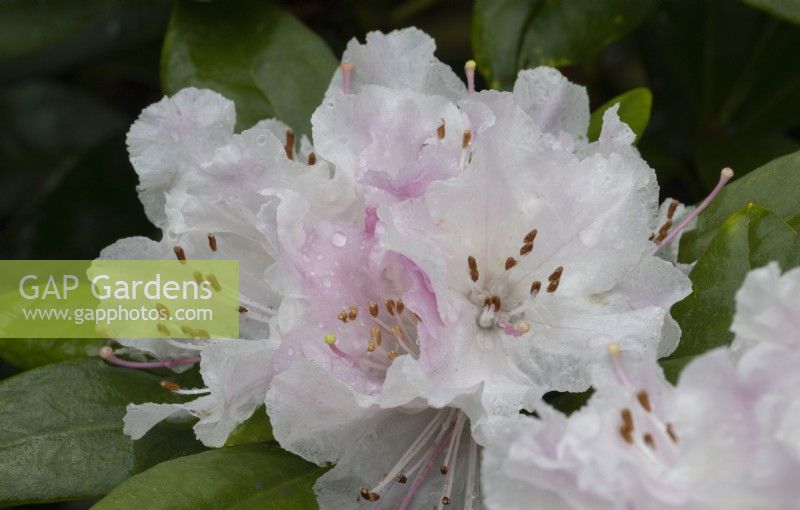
{"x":433,"y":264}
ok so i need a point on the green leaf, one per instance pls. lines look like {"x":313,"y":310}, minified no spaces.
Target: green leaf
{"x":749,"y":239}
{"x":256,"y":429}
{"x":27,"y":353}
{"x":567,"y":402}
{"x":250,"y":51}
{"x":634,"y":110}
{"x":509,"y":35}
{"x":788,"y":10}
{"x":240,"y":477}
{"x":61,"y":431}
{"x":775,"y":186}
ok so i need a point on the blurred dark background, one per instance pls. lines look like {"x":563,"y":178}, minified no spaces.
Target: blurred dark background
{"x":75,"y":74}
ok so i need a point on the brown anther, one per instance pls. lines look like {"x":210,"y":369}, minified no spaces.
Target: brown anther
{"x":376,"y":335}
{"x":536,"y":286}
{"x":401,"y":478}
{"x":530,"y":236}
{"x":169,"y":385}
{"x":663,"y":231}
{"x":671,"y":433}
{"x":526,"y":249}
{"x":417,"y":317}
{"x":390,"y":306}
{"x":440,"y":131}
{"x":673,"y":206}
{"x":342,"y":316}
{"x":652,"y":237}
{"x":553,"y":286}
{"x":187,"y":330}
{"x":473,"y":268}
{"x":627,"y":419}
{"x":555,"y":275}
{"x":400,"y":306}
{"x":510,"y":262}
{"x":648,"y":440}
{"x":214,"y":282}
{"x":368,"y":495}
{"x":312,"y":159}
{"x":289,"y":147}
{"x":644,"y":400}
{"x":443,"y":470}
{"x":391,"y":355}
{"x":493,"y":301}
{"x":370,"y":346}
{"x":626,"y":434}
{"x":397,"y":333}
{"x":163,"y":311}
{"x":466,"y":138}
{"x":201,"y":333}
{"x":373,"y":309}
{"x":212,"y":241}
{"x":198,"y":277}
{"x":352,"y":313}
{"x":180,"y":253}
{"x":163,"y":329}
{"x":242,"y":309}
{"x":445,"y":500}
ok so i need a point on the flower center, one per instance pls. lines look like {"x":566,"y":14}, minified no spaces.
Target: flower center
{"x":389,"y":335}
{"x":493,"y":296}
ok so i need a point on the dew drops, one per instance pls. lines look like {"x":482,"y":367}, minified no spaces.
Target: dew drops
{"x":261,"y":140}
{"x":338,"y":239}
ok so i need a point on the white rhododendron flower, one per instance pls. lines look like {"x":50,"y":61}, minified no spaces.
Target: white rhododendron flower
{"x":402,"y":336}
{"x":727,"y":436}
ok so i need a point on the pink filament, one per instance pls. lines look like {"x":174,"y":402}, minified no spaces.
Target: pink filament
{"x":347,"y":72}
{"x":108,"y":354}
{"x":724,"y":177}
{"x":470,"y":72}
{"x":426,"y":469}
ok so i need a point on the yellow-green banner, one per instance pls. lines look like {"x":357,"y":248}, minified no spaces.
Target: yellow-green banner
{"x":119,"y":299}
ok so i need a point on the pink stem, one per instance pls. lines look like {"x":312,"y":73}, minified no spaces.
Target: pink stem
{"x":347,"y":72}
{"x":724,"y":177}
{"x":108,"y":354}
{"x":426,"y":469}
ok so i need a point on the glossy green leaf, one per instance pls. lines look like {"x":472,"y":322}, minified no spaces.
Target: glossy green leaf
{"x":239,"y":477}
{"x":256,"y":429}
{"x":775,"y":186}
{"x":634,"y":110}
{"x":509,"y":35}
{"x":251,"y":51}
{"x":61,"y":431}
{"x":788,"y":10}
{"x":28,"y":353}
{"x":749,"y":239}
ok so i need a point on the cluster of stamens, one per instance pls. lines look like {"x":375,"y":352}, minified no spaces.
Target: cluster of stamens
{"x":492,"y":312}
{"x":652,"y":424}
{"x":398,"y":324}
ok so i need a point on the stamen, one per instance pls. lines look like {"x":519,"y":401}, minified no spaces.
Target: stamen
{"x":663,"y":231}
{"x":466,"y":138}
{"x":347,"y":73}
{"x":648,"y":440}
{"x":163,"y":311}
{"x":330,"y":339}
{"x":526,"y":249}
{"x":724,"y":177}
{"x":170,"y":386}
{"x":671,"y":433}
{"x":510,"y":262}
{"x":616,"y":362}
{"x":242,"y":309}
{"x":400,"y":306}
{"x":198,"y":277}
{"x":437,"y":450}
{"x":536,"y":286}
{"x":214,"y":282}
{"x":289,"y":146}
{"x":391,"y":355}
{"x":179,"y":253}
{"x":469,"y":70}
{"x":552,"y":286}
{"x":530,"y":236}
{"x":473,"y":268}
{"x":373,"y":309}
{"x":369,"y":496}
{"x":644,"y":400}
{"x":342,"y":316}
{"x":390,"y":306}
{"x":626,"y":429}
{"x":472,"y":469}
{"x":212,"y":242}
{"x":352,"y":313}
{"x":376,"y":335}
{"x":555,"y":275}
{"x":163,"y":329}
{"x":440,"y":131}
{"x":312,"y":159}
{"x":451,"y":459}
{"x":673,"y":206}
{"x":107,"y":353}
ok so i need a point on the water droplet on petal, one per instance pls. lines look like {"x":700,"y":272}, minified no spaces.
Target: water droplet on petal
{"x":261,"y":140}
{"x":338,"y":239}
